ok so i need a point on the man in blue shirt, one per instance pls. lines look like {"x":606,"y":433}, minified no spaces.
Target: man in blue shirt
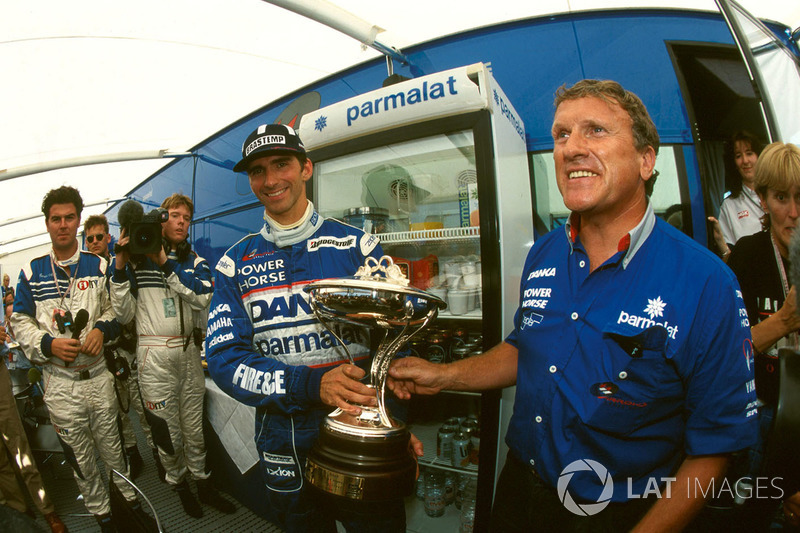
{"x":632,"y":363}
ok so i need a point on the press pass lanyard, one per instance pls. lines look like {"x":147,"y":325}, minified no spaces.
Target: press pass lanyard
{"x":58,"y":286}
{"x":793,"y":337}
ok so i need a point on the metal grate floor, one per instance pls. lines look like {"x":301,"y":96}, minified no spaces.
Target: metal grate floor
{"x":60,"y":484}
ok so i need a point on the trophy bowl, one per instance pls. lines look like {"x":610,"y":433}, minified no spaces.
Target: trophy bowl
{"x":367,"y":457}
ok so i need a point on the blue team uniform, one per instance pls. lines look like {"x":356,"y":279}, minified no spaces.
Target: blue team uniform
{"x":265,"y":347}
{"x":633,"y":365}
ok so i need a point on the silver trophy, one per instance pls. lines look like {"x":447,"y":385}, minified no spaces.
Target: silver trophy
{"x":367,"y":457}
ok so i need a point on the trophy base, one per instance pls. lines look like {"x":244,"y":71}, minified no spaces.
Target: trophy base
{"x":362,"y":464}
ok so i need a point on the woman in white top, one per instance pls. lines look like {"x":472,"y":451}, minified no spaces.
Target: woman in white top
{"x":740,"y":213}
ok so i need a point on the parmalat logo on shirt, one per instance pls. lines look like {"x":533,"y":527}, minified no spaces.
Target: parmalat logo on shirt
{"x":654,"y":308}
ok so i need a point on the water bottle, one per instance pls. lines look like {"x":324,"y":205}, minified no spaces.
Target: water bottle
{"x":434,"y":493}
{"x":421,"y":485}
{"x":449,"y":488}
{"x":467,"y":517}
{"x":469,"y":495}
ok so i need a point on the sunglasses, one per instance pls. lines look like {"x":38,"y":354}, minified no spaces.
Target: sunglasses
{"x":91,"y":238}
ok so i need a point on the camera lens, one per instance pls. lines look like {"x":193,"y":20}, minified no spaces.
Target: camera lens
{"x":144,"y":239}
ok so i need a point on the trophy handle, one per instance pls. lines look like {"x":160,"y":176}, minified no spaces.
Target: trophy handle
{"x":386,"y":351}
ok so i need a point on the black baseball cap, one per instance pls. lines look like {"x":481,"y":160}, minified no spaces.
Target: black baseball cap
{"x":266,"y":140}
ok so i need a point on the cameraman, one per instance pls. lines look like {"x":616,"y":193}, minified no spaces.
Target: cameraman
{"x":95,"y":231}
{"x":164,"y":291}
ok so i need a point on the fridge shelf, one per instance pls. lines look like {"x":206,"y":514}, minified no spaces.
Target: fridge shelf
{"x":475,"y":314}
{"x":426,"y":433}
{"x":429,"y":235}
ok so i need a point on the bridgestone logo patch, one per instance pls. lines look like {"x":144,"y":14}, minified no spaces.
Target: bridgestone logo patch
{"x":331,"y":242}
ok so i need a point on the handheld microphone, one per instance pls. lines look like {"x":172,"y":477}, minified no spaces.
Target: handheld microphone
{"x":34,"y":376}
{"x":129,"y":212}
{"x":77,"y":327}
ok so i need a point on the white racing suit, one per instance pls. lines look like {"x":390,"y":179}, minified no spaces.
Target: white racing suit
{"x":266,"y":348}
{"x":164,"y":300}
{"x":128,"y":389}
{"x":130,"y":397}
{"x":80,"y":397}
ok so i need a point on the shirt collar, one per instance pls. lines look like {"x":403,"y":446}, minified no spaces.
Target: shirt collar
{"x":67,"y":262}
{"x":750,"y":193}
{"x":630,"y":243}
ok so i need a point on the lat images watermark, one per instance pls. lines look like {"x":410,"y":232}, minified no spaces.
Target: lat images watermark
{"x":739,"y":490}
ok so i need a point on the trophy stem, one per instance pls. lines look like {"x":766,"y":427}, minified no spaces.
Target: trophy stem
{"x":386,"y":351}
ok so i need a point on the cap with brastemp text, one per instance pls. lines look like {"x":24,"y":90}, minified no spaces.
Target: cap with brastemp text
{"x":265,"y":140}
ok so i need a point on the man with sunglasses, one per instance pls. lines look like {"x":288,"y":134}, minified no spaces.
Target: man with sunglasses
{"x":95,"y":231}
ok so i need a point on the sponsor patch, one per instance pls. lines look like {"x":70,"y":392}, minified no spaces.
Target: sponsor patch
{"x":278,"y":459}
{"x":602,"y":390}
{"x":368,"y":243}
{"x":264,"y":140}
{"x":331,"y":242}
{"x":253,"y":255}
{"x":225,"y":266}
{"x":258,"y":381}
{"x":529,"y":319}
{"x":156,"y":406}
{"x":542,"y":273}
{"x":220,"y":338}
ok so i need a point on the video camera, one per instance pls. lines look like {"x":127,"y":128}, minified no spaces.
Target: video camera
{"x":143,"y":229}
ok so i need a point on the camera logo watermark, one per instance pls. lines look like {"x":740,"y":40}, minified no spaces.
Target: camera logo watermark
{"x":739,"y":490}
{"x":585,"y":509}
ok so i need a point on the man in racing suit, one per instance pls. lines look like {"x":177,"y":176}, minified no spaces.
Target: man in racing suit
{"x":265,"y":347}
{"x":78,"y":388}
{"x":95,"y":231}
{"x":164,"y":291}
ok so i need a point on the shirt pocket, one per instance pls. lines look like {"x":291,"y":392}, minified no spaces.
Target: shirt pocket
{"x":638,"y":380}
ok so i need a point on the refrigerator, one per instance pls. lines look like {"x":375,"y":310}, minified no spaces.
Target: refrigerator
{"x":437,"y":168}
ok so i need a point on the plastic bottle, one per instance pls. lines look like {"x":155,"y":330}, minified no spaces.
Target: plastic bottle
{"x":434,"y":493}
{"x":421,"y":485}
{"x":469,"y":495}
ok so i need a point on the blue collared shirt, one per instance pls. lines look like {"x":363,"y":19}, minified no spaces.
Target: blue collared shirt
{"x":634,"y":365}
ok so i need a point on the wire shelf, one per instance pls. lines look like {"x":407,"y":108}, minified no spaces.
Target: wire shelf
{"x":428,"y":235}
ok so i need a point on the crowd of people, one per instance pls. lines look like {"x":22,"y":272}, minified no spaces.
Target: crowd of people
{"x":83,"y":317}
{"x":640,"y":359}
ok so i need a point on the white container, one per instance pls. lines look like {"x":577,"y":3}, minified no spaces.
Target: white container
{"x":458,"y":301}
{"x":441,"y":292}
{"x":472,"y":280}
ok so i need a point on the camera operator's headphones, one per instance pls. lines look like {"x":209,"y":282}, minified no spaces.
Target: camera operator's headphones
{"x":182,"y":249}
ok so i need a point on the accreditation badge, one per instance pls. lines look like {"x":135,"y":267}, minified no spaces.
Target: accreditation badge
{"x":169,"y":307}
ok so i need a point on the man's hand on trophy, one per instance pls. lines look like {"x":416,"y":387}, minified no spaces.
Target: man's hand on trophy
{"x":412,"y":375}
{"x":340,"y":387}
{"x":416,"y":446}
